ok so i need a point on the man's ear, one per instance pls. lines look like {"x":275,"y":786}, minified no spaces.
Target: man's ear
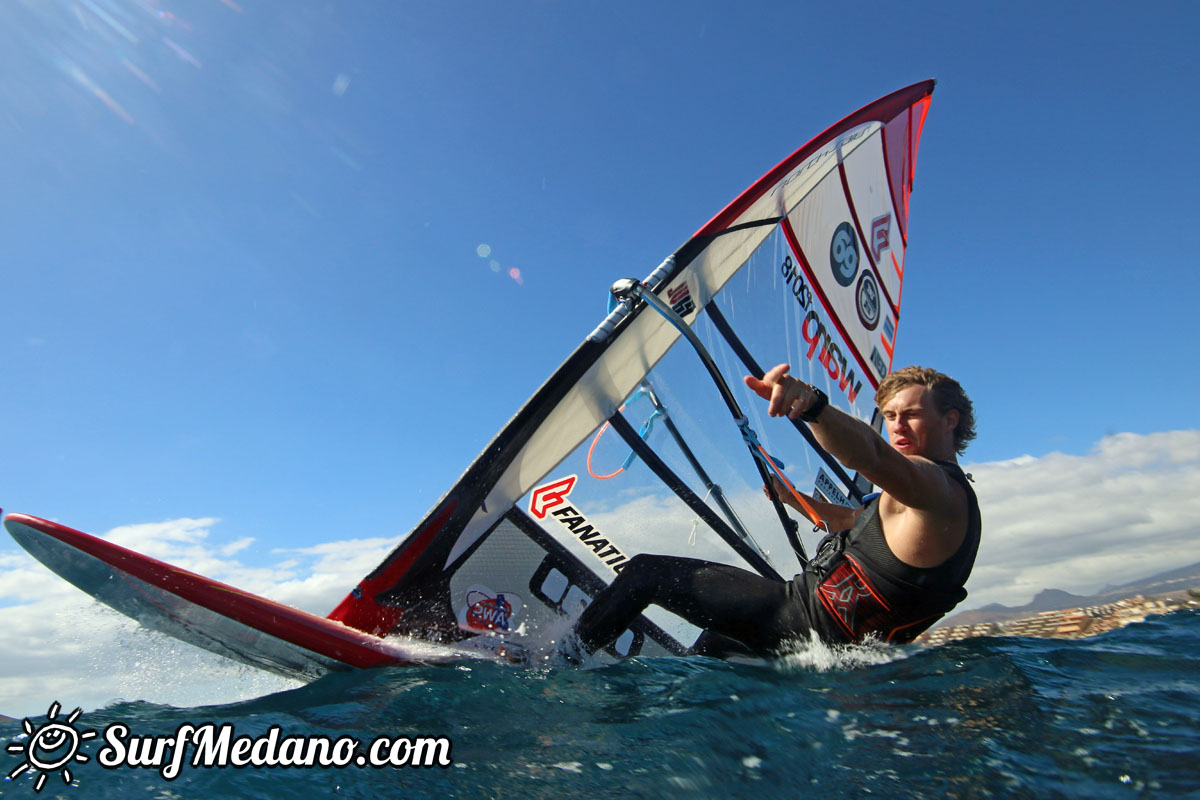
{"x":952,"y":418}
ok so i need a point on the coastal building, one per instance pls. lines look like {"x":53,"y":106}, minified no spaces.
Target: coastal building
{"x":1070,"y":623}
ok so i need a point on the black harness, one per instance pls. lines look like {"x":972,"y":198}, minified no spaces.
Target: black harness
{"x":860,"y":587}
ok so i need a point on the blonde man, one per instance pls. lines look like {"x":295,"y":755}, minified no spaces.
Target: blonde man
{"x":888,"y":570}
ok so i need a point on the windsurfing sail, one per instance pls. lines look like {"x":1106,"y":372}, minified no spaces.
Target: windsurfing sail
{"x":629,"y":447}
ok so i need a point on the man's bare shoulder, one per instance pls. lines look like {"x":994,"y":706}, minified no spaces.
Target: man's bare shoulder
{"x":927,"y":532}
{"x":921,"y":484}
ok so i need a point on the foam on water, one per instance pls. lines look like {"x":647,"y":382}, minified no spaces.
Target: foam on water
{"x":816,"y":655}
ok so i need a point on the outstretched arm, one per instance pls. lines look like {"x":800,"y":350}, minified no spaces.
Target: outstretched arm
{"x":851,"y":441}
{"x":916,"y":482}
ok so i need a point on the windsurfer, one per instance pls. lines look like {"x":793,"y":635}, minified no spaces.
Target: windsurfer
{"x":887,"y":570}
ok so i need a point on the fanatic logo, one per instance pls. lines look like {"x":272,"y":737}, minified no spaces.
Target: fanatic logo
{"x":880,"y":234}
{"x":554,"y":496}
{"x":550,"y":496}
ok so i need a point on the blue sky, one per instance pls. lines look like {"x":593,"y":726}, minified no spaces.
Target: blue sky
{"x":240,"y":241}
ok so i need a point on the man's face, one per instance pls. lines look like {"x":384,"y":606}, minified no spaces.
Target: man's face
{"x":915,"y":427}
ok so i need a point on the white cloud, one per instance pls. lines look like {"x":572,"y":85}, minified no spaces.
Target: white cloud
{"x":236,"y":547}
{"x":331,"y":571}
{"x":1121,"y":512}
{"x":1124,"y":511}
{"x":56,"y":643}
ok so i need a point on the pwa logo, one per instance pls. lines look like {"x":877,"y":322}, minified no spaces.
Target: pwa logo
{"x":489,"y":611}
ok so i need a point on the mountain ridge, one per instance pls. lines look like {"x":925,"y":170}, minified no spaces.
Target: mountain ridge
{"x":1177,"y":579}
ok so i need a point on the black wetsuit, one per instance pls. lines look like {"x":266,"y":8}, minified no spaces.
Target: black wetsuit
{"x":853,"y":587}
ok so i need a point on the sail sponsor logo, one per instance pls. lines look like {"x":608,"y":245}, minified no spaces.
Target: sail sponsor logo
{"x":550,"y":495}
{"x":877,"y":361}
{"x":852,"y":136}
{"x":486,"y":610}
{"x":818,"y":158}
{"x":680,"y":298}
{"x":829,"y":490}
{"x":843,"y":254}
{"x":831,"y":356}
{"x":867,"y":299}
{"x":551,"y":499}
{"x":795,"y":283}
{"x":881,"y":228}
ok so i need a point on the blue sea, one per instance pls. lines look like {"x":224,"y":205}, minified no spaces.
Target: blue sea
{"x":1113,"y":716}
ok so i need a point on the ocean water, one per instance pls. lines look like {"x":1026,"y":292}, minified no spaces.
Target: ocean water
{"x":1114,"y":716}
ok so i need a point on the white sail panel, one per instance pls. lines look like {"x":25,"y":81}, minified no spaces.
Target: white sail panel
{"x":875,"y":215}
{"x":827,"y":249}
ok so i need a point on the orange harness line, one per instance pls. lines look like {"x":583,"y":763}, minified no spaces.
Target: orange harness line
{"x":809,"y":511}
{"x":595,"y":441}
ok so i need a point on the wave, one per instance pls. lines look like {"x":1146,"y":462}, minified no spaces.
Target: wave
{"x":990,"y":717}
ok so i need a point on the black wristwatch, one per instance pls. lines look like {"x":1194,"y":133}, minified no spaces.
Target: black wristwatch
{"x":818,"y":405}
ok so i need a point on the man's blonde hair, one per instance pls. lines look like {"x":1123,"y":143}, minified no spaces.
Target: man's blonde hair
{"x":947,"y":395}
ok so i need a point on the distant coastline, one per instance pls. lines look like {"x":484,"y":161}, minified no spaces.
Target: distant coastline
{"x":1070,"y":623}
{"x":1063,"y":615}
